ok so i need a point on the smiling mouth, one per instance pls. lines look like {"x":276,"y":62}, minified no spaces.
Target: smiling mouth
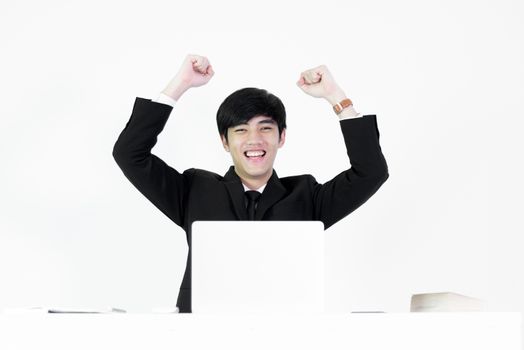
{"x":255,"y":154}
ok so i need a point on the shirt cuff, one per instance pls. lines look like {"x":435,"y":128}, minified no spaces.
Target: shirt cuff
{"x":352,"y":114}
{"x":163,"y":98}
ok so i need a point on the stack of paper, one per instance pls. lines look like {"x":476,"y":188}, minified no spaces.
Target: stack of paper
{"x":62,"y":310}
{"x":446,"y":301}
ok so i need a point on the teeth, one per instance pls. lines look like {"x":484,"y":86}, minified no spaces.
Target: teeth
{"x":255,"y":153}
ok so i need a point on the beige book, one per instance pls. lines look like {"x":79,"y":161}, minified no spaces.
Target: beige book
{"x":445,"y":302}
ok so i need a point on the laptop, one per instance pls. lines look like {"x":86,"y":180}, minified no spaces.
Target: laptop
{"x":257,"y":266}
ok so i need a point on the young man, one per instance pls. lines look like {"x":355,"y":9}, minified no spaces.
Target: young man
{"x":252,"y":126}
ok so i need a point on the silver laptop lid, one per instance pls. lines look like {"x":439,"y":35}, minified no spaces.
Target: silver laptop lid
{"x":257,"y":266}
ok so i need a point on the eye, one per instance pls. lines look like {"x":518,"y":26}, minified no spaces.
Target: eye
{"x":267,"y":128}
{"x":239,"y":130}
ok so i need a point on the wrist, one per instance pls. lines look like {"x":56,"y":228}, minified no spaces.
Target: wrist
{"x":175,"y":89}
{"x":174,"y":92}
{"x":336,"y":97}
{"x":348,"y":113}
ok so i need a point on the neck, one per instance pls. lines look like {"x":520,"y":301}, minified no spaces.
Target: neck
{"x":255,"y":183}
{"x":253,"y":186}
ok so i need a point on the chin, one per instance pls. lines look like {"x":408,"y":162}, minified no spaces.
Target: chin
{"x":256,"y":173}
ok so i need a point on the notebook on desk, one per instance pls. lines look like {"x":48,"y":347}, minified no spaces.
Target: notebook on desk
{"x":257,"y":266}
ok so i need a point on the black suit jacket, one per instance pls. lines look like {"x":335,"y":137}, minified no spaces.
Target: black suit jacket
{"x":202,"y":195}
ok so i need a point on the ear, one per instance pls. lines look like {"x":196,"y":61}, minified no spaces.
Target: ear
{"x":224,"y":143}
{"x":282,"y":138}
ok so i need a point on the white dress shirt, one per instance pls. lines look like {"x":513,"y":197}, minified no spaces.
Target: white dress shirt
{"x":260,"y":189}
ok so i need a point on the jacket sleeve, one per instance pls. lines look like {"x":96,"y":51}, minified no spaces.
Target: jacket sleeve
{"x":164,"y":186}
{"x":350,"y":189}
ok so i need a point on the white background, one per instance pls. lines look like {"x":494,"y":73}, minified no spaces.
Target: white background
{"x":445,"y":80}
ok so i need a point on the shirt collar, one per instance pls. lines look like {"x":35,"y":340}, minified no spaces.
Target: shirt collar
{"x":260,"y":189}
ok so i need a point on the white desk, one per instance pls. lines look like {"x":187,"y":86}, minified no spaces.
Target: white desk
{"x":405,"y":331}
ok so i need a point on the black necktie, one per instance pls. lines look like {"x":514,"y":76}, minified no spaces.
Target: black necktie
{"x":252,"y":198}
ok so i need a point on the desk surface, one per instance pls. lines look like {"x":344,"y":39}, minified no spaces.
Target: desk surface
{"x":406,"y":331}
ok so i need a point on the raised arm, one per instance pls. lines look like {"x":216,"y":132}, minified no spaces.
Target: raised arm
{"x":164,"y":186}
{"x":350,"y":189}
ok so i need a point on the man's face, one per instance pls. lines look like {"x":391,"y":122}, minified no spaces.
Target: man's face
{"x":253,"y":147}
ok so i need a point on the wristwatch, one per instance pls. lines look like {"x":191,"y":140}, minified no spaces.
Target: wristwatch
{"x":341,"y":105}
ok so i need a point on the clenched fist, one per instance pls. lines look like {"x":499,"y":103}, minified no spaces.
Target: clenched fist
{"x":195,"y":71}
{"x":318,"y":82}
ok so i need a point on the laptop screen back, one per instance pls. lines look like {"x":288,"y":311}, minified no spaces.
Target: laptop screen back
{"x":257,"y":266}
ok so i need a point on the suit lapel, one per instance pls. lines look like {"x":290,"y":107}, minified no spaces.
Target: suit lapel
{"x":236,"y":193}
{"x":273,"y":192}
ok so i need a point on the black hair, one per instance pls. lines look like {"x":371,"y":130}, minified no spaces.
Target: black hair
{"x":244,"y":104}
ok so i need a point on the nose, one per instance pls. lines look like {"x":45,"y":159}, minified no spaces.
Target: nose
{"x":254,"y":138}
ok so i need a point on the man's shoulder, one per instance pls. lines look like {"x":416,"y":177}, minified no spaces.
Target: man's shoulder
{"x":204,"y":174}
{"x":292,"y":181}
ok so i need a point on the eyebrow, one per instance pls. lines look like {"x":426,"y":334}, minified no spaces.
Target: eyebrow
{"x":263,"y":121}
{"x":267,"y":121}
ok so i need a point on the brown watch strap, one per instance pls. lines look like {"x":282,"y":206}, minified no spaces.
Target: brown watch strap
{"x":341,"y":105}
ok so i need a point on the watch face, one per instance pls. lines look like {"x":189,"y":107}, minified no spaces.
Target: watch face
{"x":346,"y":103}
{"x":341,"y":105}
